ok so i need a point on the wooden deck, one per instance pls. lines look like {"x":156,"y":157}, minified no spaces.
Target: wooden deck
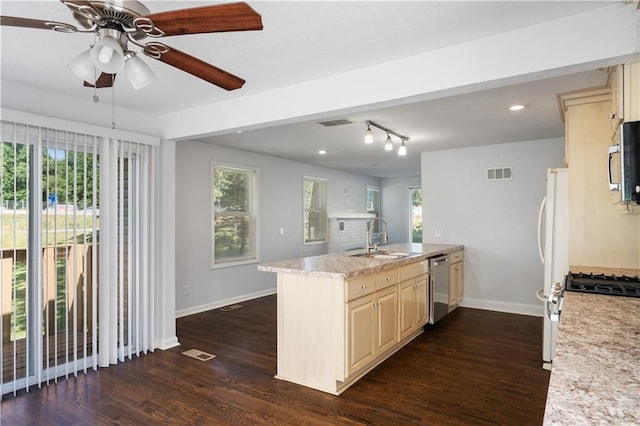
{"x":474,"y":367}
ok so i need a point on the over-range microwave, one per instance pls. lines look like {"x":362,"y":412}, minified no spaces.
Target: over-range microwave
{"x":629,"y":150}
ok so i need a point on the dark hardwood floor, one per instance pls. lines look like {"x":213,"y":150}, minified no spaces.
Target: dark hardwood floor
{"x":474,"y":367}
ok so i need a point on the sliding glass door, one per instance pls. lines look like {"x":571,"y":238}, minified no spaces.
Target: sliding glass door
{"x":77,"y":235}
{"x":50,"y":222}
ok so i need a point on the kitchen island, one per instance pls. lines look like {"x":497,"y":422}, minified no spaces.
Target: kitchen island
{"x":595,"y":377}
{"x":341,"y":315}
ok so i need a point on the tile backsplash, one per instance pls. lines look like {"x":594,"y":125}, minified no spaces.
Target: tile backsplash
{"x":347,"y":231}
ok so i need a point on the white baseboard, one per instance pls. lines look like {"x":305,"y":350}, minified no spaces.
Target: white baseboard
{"x":167,"y":343}
{"x":536,"y":310}
{"x":225,"y":302}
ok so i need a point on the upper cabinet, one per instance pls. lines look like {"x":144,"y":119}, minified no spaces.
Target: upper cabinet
{"x":601,"y":234}
{"x":624,"y":83}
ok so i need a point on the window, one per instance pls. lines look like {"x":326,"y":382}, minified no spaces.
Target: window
{"x":415,"y":209}
{"x":373,"y":205}
{"x":234,"y":215}
{"x":315,"y":210}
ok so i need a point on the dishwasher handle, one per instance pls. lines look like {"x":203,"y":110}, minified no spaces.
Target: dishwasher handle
{"x":440,"y":260}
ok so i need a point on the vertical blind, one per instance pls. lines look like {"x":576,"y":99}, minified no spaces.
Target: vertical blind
{"x":78,"y":255}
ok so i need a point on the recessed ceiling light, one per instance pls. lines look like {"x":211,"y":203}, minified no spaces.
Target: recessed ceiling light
{"x":322,"y":151}
{"x":516,"y":107}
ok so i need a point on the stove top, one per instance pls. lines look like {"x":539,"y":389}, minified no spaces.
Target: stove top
{"x":603,"y":284}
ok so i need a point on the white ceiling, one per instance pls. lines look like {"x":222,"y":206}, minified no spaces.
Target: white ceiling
{"x":305,"y":40}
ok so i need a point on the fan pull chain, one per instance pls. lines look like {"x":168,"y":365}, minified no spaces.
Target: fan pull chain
{"x":113,"y":103}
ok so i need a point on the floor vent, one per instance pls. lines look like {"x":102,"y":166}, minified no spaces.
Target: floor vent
{"x":500,"y":173}
{"x":338,"y":122}
{"x":230,"y":308}
{"x":198,"y":354}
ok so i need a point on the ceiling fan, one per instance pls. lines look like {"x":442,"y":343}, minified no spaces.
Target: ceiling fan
{"x":118,"y":22}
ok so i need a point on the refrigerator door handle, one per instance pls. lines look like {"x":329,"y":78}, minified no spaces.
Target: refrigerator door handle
{"x":543,"y":205}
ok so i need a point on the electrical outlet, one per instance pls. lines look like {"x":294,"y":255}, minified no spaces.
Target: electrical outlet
{"x":437,"y":233}
{"x":187,"y":290}
{"x":282,"y":230}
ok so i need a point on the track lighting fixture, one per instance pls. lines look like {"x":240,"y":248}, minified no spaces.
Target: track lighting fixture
{"x":388,"y":145}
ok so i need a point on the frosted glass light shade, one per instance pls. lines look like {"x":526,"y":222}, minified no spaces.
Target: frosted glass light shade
{"x":368,"y":135}
{"x":402,"y":151}
{"x":83,"y":67}
{"x":107,"y":55}
{"x":388,"y":145}
{"x":139,"y":73}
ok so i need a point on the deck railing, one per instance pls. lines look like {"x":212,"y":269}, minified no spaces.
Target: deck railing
{"x":67,"y":309}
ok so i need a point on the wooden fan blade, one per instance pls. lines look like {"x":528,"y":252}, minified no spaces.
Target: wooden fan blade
{"x":13,"y":21}
{"x":105,"y":80}
{"x":195,"y":66}
{"x":208,"y":19}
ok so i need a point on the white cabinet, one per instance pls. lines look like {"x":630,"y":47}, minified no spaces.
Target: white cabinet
{"x":456,"y":279}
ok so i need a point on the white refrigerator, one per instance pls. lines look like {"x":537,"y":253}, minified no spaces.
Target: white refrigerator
{"x":553,"y":246}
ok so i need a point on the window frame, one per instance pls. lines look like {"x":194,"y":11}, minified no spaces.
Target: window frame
{"x":366,"y":200}
{"x":378,"y":212}
{"x":325,"y":236}
{"x":252,"y":213}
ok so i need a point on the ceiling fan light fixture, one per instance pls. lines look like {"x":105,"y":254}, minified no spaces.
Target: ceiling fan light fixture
{"x":368,"y":135}
{"x":139,"y":73}
{"x":83,"y":67}
{"x":107,"y":55}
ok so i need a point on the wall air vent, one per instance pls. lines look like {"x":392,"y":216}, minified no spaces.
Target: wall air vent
{"x":338,"y":122}
{"x":500,"y":173}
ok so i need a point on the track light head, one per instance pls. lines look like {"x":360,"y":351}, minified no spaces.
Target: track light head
{"x":368,"y":135}
{"x":388,"y":145}
{"x":402,"y":151}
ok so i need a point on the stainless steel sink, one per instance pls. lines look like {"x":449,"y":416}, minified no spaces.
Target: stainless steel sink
{"x":384,"y":255}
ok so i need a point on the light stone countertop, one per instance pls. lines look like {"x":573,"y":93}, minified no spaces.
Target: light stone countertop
{"x":595,"y":377}
{"x":342,"y":265}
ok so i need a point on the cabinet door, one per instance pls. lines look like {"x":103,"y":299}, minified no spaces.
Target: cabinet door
{"x":421,"y":301}
{"x":459,"y":282}
{"x":361,"y":333}
{"x":387,"y":319}
{"x":407,"y":308}
{"x":452,"y":285}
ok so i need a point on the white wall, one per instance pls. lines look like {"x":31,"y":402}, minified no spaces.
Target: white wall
{"x":394,"y":201}
{"x":280,"y":199}
{"x":495,"y":220}
{"x":589,"y":40}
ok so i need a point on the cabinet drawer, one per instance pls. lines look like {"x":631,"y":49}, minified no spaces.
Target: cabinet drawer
{"x":456,"y":256}
{"x":412,"y":270}
{"x":359,"y":287}
{"x":386,"y":278}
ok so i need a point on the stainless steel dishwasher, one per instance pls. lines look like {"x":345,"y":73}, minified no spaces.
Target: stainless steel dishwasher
{"x":438,"y":288}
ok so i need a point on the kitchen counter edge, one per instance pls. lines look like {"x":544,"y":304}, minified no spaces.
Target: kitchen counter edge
{"x":344,"y":266}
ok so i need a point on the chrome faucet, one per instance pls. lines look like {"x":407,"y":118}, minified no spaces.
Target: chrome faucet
{"x":371,"y":246}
